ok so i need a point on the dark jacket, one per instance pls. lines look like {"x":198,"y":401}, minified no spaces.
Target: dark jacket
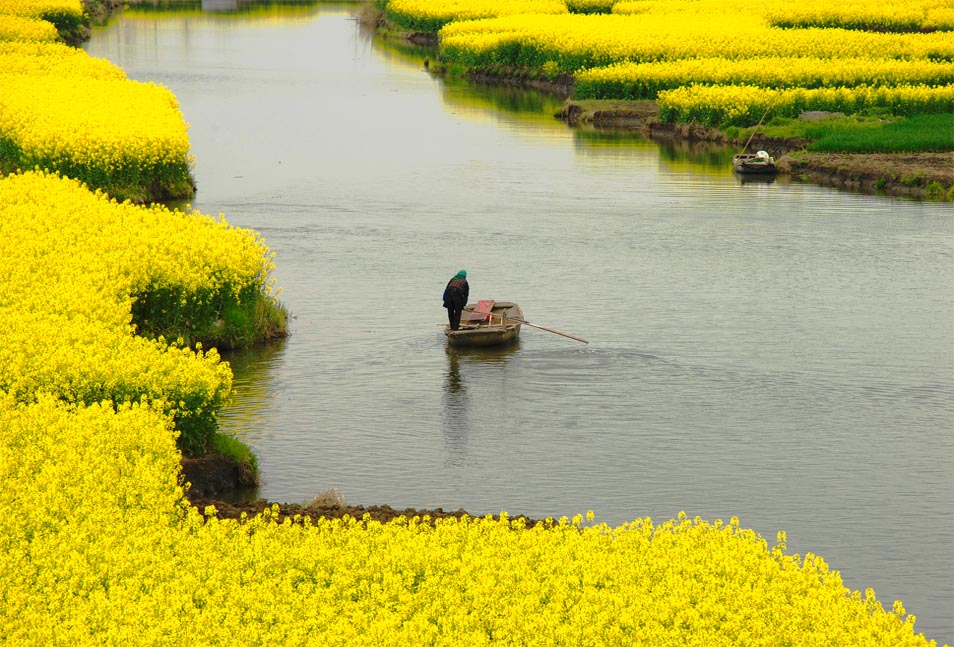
{"x":456,"y":294}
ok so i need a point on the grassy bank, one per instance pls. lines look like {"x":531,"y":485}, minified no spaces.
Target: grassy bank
{"x":919,"y":133}
{"x":219,"y":318}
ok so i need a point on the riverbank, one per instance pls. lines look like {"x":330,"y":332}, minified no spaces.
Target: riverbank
{"x":918,"y":175}
{"x":924,"y":175}
{"x":921,"y":175}
{"x":213,"y":477}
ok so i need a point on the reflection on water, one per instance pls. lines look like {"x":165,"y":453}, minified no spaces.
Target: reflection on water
{"x":515,"y":106}
{"x":677,"y":156}
{"x":611,"y":144}
{"x":396,"y":50}
{"x":746,"y":178}
{"x":480,"y":367}
{"x":455,"y":409}
{"x":249,"y":416}
{"x":254,"y":375}
{"x":220,"y":5}
{"x":697,"y":156}
{"x":226,"y":7}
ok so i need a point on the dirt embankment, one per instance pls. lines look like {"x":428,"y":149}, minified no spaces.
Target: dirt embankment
{"x":215,"y":476}
{"x":918,"y":175}
{"x":559,"y":85}
{"x":382,"y":513}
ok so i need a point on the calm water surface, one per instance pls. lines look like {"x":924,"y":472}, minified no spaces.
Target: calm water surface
{"x":780,"y":352}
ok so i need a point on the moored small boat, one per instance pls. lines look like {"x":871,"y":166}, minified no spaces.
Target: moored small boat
{"x":486,"y":323}
{"x":754,"y":163}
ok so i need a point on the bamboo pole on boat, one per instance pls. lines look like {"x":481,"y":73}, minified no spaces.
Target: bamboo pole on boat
{"x":756,"y":129}
{"x":533,"y":325}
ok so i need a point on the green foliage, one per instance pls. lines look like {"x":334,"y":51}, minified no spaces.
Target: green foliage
{"x":926,"y":132}
{"x":934,"y":191}
{"x":240,"y":453}
{"x":134,"y":181}
{"x":590,"y":6}
{"x":72,"y":27}
{"x":870,"y":134}
{"x":414,"y":22}
{"x":221,"y":318}
{"x":897,"y":24}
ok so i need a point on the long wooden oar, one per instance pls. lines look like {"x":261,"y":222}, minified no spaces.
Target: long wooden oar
{"x":533,"y":325}
{"x":756,"y":129}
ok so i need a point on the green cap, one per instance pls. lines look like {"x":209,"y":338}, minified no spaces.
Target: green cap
{"x":462,"y":274}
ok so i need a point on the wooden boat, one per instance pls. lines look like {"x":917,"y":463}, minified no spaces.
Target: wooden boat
{"x":760,"y":163}
{"x":485,"y":323}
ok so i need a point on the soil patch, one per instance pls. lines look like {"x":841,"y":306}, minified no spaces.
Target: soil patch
{"x":215,"y":475}
{"x":918,"y":175}
{"x":216,"y":478}
{"x":382,"y":513}
{"x":559,"y":85}
{"x":624,"y":115}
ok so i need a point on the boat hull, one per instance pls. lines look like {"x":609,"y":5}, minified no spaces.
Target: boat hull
{"x":498,"y":331}
{"x":754,"y":165}
{"x":761,"y":169}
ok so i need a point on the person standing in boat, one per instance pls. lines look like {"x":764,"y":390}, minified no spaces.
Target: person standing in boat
{"x":455,"y":298}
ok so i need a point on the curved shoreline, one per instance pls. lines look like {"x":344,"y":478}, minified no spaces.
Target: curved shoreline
{"x":909,"y":175}
{"x":921,"y":175}
{"x":213,"y":476}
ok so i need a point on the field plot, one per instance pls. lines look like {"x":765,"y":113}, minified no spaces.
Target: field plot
{"x":892,"y":59}
{"x":81,"y":274}
{"x":65,"y":111}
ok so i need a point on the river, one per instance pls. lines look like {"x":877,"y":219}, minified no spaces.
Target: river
{"x":777,"y":351}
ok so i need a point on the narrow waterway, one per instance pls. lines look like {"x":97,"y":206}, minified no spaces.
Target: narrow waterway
{"x":777,"y":351}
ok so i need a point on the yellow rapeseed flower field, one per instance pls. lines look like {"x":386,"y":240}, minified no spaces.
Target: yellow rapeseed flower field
{"x":41,"y":8}
{"x":67,"y":18}
{"x":65,"y":111}
{"x":427,"y":15}
{"x":651,"y":46}
{"x":74,"y":268}
{"x":646,"y":80}
{"x":98,"y":545}
{"x":743,"y":105}
{"x":582,"y":41}
{"x":54,"y":59}
{"x":890,"y":15}
{"x":108,"y":132}
{"x":19,"y":28}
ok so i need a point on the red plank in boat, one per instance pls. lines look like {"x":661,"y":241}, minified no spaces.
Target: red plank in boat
{"x":481,"y":311}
